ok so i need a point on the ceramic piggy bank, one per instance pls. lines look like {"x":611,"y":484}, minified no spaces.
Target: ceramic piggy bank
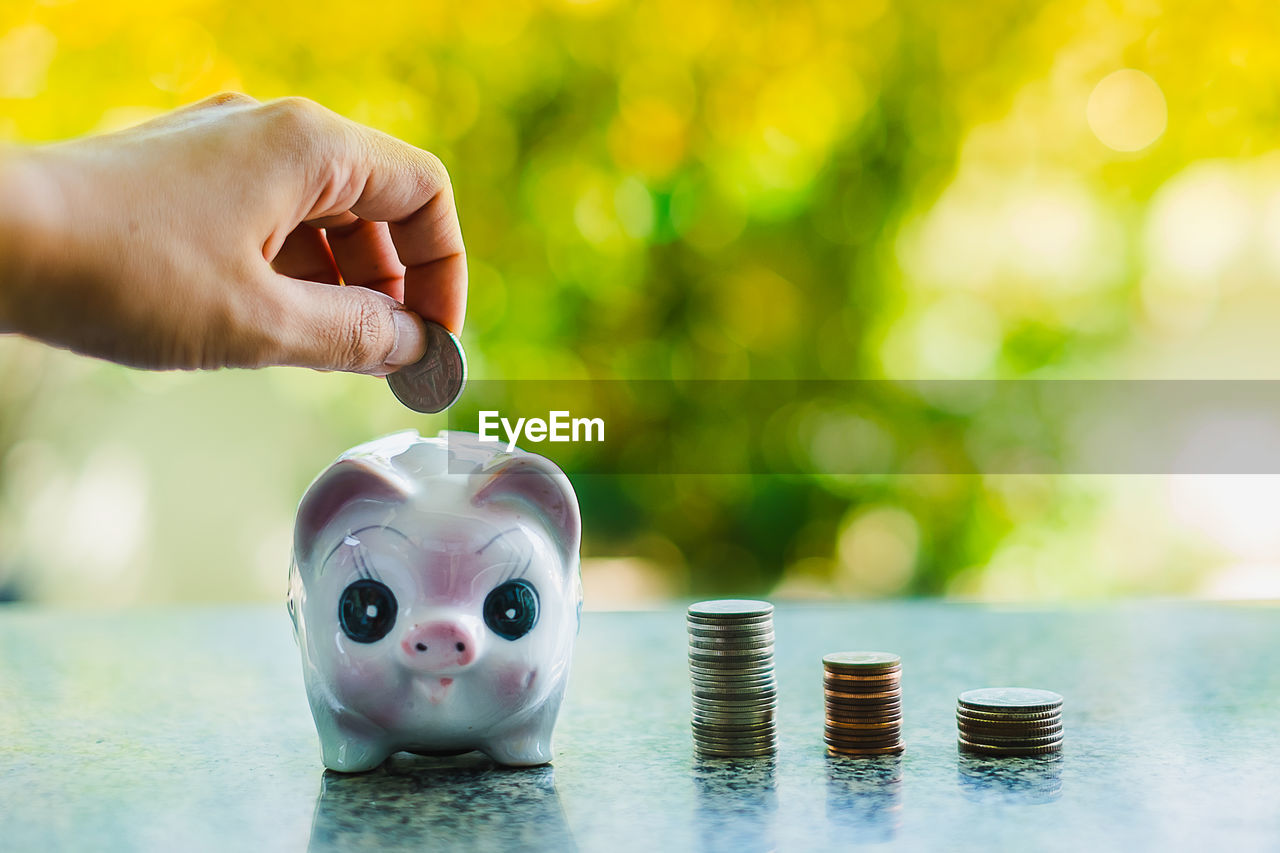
{"x":435,"y":597}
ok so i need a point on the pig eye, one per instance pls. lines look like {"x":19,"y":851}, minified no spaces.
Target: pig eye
{"x":511,"y":610}
{"x":367,"y":611}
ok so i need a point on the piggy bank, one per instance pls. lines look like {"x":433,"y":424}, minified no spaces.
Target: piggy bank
{"x":435,"y":597}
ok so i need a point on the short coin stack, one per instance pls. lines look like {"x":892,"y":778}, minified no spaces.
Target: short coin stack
{"x":735,"y":696}
{"x":864,"y":703}
{"x":1009,"y":721}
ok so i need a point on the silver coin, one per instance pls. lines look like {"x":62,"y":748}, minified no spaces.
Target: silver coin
{"x":723,"y":706}
{"x":732,"y":752}
{"x":983,"y":740}
{"x":730,"y":664}
{"x":735,"y":624}
{"x":766,"y":742}
{"x":755,"y":681}
{"x":738,"y":718}
{"x":434,"y":382}
{"x":729,"y":694}
{"x":739,"y":736}
{"x":1018,"y":699}
{"x":736,"y":714}
{"x":1000,"y":730}
{"x":737,"y":657}
{"x":730,"y":649}
{"x":726,"y":637}
{"x":708,"y":643}
{"x":711,"y":752}
{"x":741,"y":644}
{"x":739,"y":678}
{"x":760,"y":724}
{"x":1011,"y":751}
{"x":736,"y":689}
{"x":743,"y":674}
{"x":731,"y":706}
{"x":736,"y":728}
{"x":704,"y":690}
{"x":715,"y":629}
{"x":730,"y":658}
{"x":1054,"y":716}
{"x":748,"y":623}
{"x":730,"y":608}
{"x":736,"y":749}
{"x":861,"y":661}
{"x":717,"y":691}
{"x":729,"y":620}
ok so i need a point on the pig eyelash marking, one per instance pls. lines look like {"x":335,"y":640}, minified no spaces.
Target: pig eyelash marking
{"x":363,"y":567}
{"x":351,"y":540}
{"x":355,"y":534}
{"x":516,"y":567}
{"x":496,"y":538}
{"x":519,"y":571}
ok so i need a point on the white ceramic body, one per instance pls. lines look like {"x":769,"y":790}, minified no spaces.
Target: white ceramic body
{"x":441,"y":523}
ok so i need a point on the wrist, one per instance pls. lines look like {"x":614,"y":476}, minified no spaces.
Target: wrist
{"x":28,"y":205}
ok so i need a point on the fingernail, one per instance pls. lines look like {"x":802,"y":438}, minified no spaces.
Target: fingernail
{"x":411,"y":339}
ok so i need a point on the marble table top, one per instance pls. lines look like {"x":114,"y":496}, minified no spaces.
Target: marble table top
{"x":188,"y":728}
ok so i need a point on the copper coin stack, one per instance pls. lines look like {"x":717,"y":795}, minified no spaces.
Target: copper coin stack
{"x":1009,"y":721}
{"x":864,"y":703}
{"x":735,"y":695}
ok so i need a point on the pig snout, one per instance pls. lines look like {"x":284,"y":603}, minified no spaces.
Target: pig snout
{"x":442,"y":645}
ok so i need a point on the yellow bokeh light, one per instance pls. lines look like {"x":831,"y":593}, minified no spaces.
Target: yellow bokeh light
{"x":1127,"y":110}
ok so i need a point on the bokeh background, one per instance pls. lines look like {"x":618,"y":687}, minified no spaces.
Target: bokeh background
{"x":718,"y":190}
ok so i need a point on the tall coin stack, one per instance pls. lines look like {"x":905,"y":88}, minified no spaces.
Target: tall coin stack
{"x":735,"y":696}
{"x":1009,"y":721}
{"x":864,"y":703}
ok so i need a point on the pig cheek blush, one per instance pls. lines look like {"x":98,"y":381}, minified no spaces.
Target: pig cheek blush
{"x":378,"y":692}
{"x":515,"y":682}
{"x":435,"y":593}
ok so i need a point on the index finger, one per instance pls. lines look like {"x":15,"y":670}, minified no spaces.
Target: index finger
{"x":409,"y":189}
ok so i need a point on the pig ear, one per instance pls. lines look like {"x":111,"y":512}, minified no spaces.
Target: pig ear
{"x":343,"y":483}
{"x":534,"y":484}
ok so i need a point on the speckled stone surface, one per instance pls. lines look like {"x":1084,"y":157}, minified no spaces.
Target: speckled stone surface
{"x":188,"y":729}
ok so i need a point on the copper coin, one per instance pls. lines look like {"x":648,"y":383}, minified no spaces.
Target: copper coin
{"x":858,"y":678}
{"x":884,"y":750}
{"x":867,"y":727}
{"x":860,"y":689}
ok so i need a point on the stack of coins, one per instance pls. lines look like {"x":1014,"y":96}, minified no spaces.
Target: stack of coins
{"x":864,"y":703}
{"x":735,"y":696}
{"x":1009,"y":721}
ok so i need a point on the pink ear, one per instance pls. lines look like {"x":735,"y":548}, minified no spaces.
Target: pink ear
{"x":535,"y":484}
{"x":344,"y":482}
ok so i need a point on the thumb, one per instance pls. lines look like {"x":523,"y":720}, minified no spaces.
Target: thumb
{"x":347,"y":328}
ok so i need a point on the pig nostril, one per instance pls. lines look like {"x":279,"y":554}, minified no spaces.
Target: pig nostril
{"x":422,"y":647}
{"x":461,"y":647}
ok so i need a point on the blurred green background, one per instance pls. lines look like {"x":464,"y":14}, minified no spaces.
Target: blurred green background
{"x":718,"y":190}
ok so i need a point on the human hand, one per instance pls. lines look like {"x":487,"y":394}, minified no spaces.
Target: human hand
{"x":214,"y":236}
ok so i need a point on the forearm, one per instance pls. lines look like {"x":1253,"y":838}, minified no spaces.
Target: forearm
{"x":27,"y":232}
